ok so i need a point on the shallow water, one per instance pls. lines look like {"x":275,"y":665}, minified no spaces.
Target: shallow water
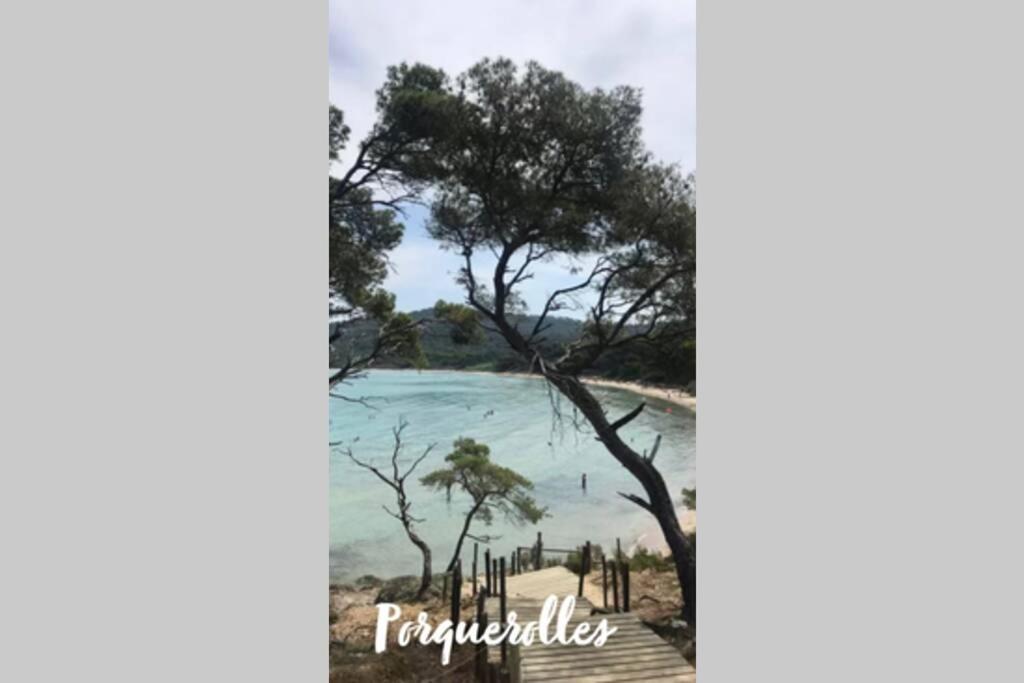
{"x":442,"y":406}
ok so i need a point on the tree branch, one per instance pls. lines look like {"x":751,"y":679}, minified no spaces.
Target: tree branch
{"x":638,"y":500}
{"x":627,"y":418}
{"x":654,"y":451}
{"x":362,"y":400}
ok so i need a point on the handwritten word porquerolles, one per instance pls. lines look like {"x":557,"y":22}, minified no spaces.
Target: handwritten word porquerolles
{"x":516,"y":634}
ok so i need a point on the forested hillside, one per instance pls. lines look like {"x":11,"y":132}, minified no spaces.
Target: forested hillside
{"x":668,"y":363}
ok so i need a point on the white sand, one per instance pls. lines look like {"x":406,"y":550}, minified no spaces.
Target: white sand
{"x":652,"y":538}
{"x":670,"y":394}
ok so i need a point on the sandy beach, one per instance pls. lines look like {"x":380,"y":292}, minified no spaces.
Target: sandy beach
{"x":670,"y":394}
{"x":652,"y":538}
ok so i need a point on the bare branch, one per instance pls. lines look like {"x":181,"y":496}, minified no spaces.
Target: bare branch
{"x":481,"y":539}
{"x":638,"y":500}
{"x":599,"y":267}
{"x":418,"y":460}
{"x":362,"y":400}
{"x":627,"y":418}
{"x":373,"y":469}
{"x":654,"y":451}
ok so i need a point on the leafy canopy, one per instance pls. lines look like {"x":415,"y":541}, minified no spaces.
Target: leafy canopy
{"x":363,"y":201}
{"x":494,"y":489}
{"x":539,"y":169}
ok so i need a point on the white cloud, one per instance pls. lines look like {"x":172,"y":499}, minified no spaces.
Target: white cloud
{"x":650,"y":44}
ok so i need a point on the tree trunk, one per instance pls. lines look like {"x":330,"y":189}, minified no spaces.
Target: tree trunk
{"x":427,"y":576}
{"x":462,"y":536}
{"x":659,"y":501}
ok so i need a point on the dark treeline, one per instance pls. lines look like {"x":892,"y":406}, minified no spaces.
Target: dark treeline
{"x":672,"y":362}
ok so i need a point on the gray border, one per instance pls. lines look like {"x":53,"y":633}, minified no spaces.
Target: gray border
{"x":164,"y":483}
{"x":859,"y":171}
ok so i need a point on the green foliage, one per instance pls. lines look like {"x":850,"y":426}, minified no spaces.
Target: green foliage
{"x":338,"y":132}
{"x":464,"y":322}
{"x":535,"y":168}
{"x":413,"y":113}
{"x":523,"y":159}
{"x":360,"y":237}
{"x":441,"y":349}
{"x":493,"y":489}
{"x":690,"y":498}
{"x":574,"y":560}
{"x":669,"y":363}
{"x":534,"y":158}
{"x":646,"y":559}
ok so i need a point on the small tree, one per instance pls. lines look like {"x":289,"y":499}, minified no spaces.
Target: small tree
{"x":494,"y":489}
{"x":396,"y":482}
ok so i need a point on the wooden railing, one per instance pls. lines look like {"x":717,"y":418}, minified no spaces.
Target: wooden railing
{"x":526,"y":558}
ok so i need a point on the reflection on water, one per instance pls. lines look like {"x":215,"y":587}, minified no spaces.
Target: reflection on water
{"x":514,"y":417}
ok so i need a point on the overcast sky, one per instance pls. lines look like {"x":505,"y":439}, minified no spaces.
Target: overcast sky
{"x":650,"y":44}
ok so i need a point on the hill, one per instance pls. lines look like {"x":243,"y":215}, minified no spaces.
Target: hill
{"x":669,"y":363}
{"x":441,"y":351}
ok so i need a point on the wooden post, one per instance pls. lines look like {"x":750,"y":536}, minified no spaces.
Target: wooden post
{"x":456,"y":593}
{"x":515,"y":665}
{"x":481,"y":647}
{"x":476,"y":549}
{"x":487,"y":570}
{"x":625,"y":586}
{"x":604,"y":580}
{"x":504,"y":614}
{"x":540,"y":553}
{"x":618,"y":550}
{"x":615,"y":586}
{"x":587,"y":565}
{"x":494,"y":576}
{"x":583,"y":566}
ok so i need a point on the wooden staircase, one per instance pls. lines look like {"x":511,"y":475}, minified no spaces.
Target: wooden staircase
{"x":632,"y":653}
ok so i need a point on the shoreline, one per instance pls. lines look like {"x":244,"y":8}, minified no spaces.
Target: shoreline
{"x":651,"y":537}
{"x":675,"y":395}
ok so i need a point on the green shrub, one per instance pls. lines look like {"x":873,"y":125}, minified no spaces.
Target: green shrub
{"x":647,"y":559}
{"x":573,"y":562}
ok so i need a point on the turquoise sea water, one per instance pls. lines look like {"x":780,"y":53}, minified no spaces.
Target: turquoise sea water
{"x":442,"y":406}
